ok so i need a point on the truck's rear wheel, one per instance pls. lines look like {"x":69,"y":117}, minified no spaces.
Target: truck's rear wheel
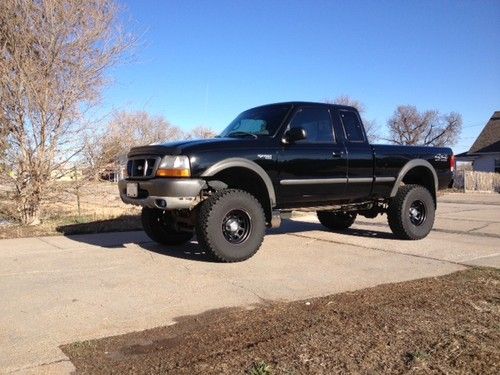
{"x":158,"y":226}
{"x":411,"y":212}
{"x":231,"y":225}
{"x":336,"y":220}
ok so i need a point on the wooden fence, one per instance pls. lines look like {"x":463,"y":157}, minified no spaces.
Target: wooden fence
{"x":477,"y":181}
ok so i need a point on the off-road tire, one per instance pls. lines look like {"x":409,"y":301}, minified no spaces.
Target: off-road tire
{"x":399,"y":217}
{"x":336,"y":220}
{"x":210,"y":231}
{"x":156,"y":224}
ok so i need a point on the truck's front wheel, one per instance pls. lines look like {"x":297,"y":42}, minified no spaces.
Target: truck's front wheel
{"x":158,"y":226}
{"x":411,"y":212}
{"x":231,"y":225}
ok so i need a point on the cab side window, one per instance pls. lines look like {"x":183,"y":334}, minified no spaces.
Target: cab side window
{"x":352,"y":126}
{"x":316,"y":122}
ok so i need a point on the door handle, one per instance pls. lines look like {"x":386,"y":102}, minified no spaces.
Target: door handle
{"x":337,"y":154}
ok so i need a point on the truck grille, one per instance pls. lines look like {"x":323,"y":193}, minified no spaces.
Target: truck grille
{"x":142,"y":167}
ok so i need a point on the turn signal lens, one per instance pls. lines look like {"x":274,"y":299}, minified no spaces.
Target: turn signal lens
{"x":173,"y":173}
{"x":174,"y":166}
{"x":452,"y":162}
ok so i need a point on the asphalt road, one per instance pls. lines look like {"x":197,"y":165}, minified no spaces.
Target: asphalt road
{"x":57,"y":290}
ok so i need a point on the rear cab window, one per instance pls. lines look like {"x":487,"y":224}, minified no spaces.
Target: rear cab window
{"x":353,"y":129}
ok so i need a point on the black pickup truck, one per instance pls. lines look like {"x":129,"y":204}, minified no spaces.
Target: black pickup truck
{"x":274,"y":159}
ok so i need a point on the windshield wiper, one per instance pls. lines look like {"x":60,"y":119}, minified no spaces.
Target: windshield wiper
{"x":238,"y":133}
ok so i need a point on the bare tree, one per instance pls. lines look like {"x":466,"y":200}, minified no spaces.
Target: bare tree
{"x":4,"y":133}
{"x":408,"y":126}
{"x":201,"y":132}
{"x":124,"y":131}
{"x":371,"y":127}
{"x":53,"y":56}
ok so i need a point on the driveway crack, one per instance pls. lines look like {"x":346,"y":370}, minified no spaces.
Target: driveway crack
{"x":23,"y":369}
{"x":478,"y":228}
{"x":51,"y":244}
{"x":383,"y":250}
{"x":262,"y":299}
{"x":450,"y":231}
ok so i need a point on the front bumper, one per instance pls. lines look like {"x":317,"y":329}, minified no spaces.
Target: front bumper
{"x":164,"y":193}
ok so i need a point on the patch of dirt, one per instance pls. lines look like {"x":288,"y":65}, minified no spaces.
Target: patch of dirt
{"x":448,"y":324}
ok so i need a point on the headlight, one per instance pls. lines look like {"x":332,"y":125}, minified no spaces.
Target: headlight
{"x":174,"y":166}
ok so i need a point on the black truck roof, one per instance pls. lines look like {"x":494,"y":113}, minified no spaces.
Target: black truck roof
{"x":299,"y":103}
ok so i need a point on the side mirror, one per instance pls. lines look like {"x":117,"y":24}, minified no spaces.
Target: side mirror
{"x":295,"y":134}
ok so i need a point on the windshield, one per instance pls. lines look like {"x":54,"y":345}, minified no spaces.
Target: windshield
{"x":261,"y":121}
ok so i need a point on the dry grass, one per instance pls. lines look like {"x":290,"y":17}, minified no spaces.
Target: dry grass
{"x":440,"y":325}
{"x":101,"y":210}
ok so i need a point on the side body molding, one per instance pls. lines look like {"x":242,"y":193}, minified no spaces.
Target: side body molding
{"x":243,"y":163}
{"x":410,"y":165}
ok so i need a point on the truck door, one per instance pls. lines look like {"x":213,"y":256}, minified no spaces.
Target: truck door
{"x":360,"y":160}
{"x":313,"y":169}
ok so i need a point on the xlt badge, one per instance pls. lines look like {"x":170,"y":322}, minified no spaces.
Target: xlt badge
{"x":265,"y":156}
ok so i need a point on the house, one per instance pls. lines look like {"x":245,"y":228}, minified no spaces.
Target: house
{"x":115,"y":170}
{"x":485,"y":151}
{"x":112,"y":172}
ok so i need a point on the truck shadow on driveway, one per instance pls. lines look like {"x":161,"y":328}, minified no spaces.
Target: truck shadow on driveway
{"x":296,"y":226}
{"x":191,"y":250}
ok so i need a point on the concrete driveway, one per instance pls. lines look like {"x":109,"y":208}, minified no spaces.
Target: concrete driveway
{"x":56,"y":290}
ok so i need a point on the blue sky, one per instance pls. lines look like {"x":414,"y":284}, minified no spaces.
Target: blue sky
{"x":203,"y":62}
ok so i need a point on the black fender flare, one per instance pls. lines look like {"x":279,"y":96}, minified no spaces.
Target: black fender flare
{"x":248,"y":164}
{"x":409,"y":166}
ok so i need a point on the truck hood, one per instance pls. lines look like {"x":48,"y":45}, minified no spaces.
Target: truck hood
{"x":183,"y":147}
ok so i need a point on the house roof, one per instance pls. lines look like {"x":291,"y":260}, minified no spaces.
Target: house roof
{"x":489,"y":139}
{"x":465,"y":156}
